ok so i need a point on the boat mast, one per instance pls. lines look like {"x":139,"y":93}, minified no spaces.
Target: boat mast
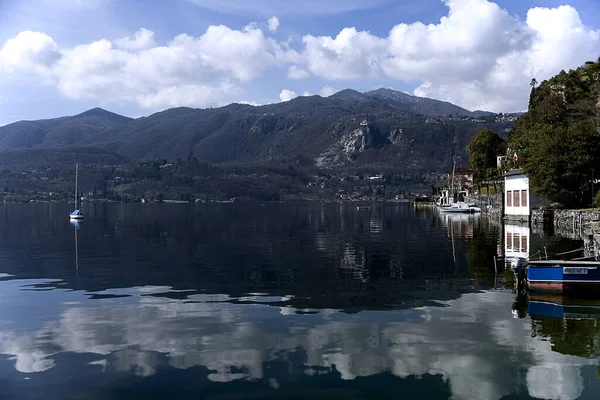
{"x":76,"y":254}
{"x":76,"y":177}
{"x":452,"y":184}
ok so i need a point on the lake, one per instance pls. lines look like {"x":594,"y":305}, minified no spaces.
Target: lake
{"x":269,"y":301}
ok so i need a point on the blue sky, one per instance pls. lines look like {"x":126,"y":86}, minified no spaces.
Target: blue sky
{"x":61,"y":57}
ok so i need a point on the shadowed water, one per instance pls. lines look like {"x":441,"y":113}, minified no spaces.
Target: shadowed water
{"x":228,"y":301}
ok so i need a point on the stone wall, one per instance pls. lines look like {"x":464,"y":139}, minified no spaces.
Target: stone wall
{"x":492,"y":205}
{"x":580,"y":224}
{"x":594,"y":234}
{"x":575,"y":220}
{"x":494,"y":213}
{"x":495,"y":200}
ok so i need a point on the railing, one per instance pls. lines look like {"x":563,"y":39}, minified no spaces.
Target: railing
{"x":547,"y":256}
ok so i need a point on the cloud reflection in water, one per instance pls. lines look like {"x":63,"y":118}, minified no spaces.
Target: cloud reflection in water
{"x":472,"y":342}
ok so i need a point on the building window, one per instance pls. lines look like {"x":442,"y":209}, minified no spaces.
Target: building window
{"x":524,"y":198}
{"x":516,"y":242}
{"x":509,"y":242}
{"x":516,"y":198}
{"x":524,"y":244}
{"x":509,"y":198}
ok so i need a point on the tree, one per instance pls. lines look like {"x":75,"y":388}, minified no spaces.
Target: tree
{"x":558,"y":161}
{"x":557,"y":140}
{"x":533,"y":83}
{"x":483,"y":149}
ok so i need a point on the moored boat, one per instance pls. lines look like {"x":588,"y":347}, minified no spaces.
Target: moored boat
{"x":75,"y":215}
{"x":574,"y":277}
{"x":460,"y":207}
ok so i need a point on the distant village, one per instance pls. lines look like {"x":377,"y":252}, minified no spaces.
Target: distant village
{"x":497,"y":118}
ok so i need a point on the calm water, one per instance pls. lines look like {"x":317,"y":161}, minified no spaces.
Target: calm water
{"x":232,"y":301}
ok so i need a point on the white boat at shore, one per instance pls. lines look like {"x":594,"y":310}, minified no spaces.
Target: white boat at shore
{"x":460,"y":207}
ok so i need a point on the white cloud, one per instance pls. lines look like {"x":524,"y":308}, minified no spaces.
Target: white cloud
{"x":295,"y":72}
{"x":29,"y":51}
{"x":287,"y":95}
{"x":185,"y":95}
{"x":250,"y":103}
{"x":548,"y":41}
{"x":478,"y":56}
{"x":193,"y":71}
{"x":325,"y":92}
{"x":328,"y":91}
{"x":143,"y":39}
{"x":350,"y":55}
{"x":273,"y":24}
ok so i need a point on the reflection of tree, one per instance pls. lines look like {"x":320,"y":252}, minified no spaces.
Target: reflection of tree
{"x":570,"y":337}
{"x":483,"y":249}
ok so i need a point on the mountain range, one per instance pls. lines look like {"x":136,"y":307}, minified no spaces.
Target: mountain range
{"x":379,"y":129}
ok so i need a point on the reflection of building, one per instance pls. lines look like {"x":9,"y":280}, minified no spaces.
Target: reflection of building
{"x":518,"y":200}
{"x":516,"y":241}
{"x":460,"y":226}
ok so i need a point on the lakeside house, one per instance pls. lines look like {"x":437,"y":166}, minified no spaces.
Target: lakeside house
{"x":518,"y":200}
{"x":464,"y":176}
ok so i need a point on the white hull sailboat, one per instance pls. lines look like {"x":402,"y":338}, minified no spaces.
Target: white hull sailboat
{"x":76,"y":214}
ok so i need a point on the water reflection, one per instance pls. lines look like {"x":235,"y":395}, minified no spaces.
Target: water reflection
{"x":517,"y":241}
{"x":302,"y":300}
{"x":471,"y":342}
{"x":327,"y":255}
{"x":571,"y":325}
{"x":75,"y":224}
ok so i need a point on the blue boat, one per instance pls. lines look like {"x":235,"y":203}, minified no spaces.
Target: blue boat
{"x":576,"y":277}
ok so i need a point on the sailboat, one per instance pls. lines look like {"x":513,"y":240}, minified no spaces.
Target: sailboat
{"x":76,"y":214}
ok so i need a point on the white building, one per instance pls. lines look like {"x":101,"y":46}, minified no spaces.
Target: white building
{"x":500,"y":161}
{"x":517,"y":197}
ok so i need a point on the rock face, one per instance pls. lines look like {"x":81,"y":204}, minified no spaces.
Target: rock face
{"x":397,"y":136}
{"x":346,"y":149}
{"x":354,"y":142}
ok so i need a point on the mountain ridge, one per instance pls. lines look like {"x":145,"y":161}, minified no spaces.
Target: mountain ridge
{"x":377,"y":128}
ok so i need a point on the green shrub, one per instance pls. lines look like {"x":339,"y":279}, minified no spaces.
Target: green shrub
{"x":597,"y":200}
